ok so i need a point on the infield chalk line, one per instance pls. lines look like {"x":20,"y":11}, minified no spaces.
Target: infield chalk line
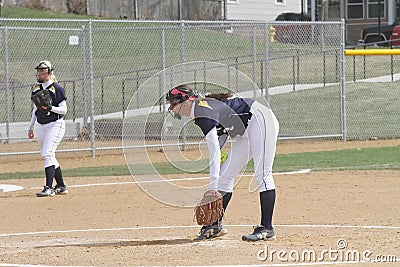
{"x":172,"y":180}
{"x":196,"y":226}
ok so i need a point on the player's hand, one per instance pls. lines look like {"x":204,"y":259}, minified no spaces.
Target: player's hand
{"x":31,"y":135}
{"x":48,"y":108}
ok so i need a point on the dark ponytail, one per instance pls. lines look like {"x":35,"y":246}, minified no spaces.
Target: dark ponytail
{"x":220,"y":96}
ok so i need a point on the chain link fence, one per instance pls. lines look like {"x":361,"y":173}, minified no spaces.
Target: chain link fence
{"x":298,"y":67}
{"x":372,"y":96}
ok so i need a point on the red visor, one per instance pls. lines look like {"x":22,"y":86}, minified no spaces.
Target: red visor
{"x":175,"y":91}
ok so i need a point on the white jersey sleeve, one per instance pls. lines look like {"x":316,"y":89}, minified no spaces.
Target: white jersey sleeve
{"x":215,"y":158}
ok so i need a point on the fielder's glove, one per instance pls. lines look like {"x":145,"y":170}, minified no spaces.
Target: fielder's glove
{"x":210,"y":208}
{"x":42,"y":100}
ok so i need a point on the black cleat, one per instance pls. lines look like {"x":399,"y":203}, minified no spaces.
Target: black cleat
{"x":60,"y":190}
{"x":46,"y":192}
{"x":211,"y":231}
{"x":260,"y":233}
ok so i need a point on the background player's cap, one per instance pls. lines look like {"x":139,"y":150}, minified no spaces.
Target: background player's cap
{"x":44,"y":64}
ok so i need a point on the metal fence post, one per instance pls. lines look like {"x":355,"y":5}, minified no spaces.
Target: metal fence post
{"x":182,"y":48}
{"x":163,"y":84}
{"x":343,"y":81}
{"x":84,"y":81}
{"x":324,"y":67}
{"x":136,"y":9}
{"x":266,"y":69}
{"x":294,"y":72}
{"x":298,"y":66}
{"x":254,"y":61}
{"x":123,"y":99}
{"x":73,"y":101}
{"x":92,"y":129}
{"x":7,"y":81}
{"x":391,"y":68}
{"x":182,"y":77}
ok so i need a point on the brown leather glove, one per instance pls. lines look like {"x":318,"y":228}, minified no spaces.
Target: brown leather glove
{"x":210,"y":208}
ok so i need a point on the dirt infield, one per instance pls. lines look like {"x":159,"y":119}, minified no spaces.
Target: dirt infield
{"x":110,"y":221}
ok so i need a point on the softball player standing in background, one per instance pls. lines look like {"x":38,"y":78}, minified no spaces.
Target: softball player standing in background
{"x":51,"y":128}
{"x":254,"y":128}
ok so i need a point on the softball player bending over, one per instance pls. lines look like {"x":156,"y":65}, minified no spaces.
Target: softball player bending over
{"x":51,"y":128}
{"x":254,"y":128}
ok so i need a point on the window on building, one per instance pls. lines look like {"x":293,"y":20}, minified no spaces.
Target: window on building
{"x":373,"y":8}
{"x":355,"y":9}
{"x":334,"y":9}
{"x":328,"y":10}
{"x":397,"y":9}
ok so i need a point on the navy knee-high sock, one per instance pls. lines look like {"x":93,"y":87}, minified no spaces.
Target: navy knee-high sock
{"x":58,"y":177}
{"x":267,"y":202}
{"x":49,"y":175}
{"x":226,"y":197}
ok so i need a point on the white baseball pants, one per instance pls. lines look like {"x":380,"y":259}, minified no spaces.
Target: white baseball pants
{"x":257,"y":143}
{"x":49,"y":136}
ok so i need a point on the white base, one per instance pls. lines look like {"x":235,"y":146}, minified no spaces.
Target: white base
{"x":9,"y":187}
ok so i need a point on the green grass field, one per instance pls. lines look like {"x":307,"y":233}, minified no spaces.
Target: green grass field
{"x":384,"y":158}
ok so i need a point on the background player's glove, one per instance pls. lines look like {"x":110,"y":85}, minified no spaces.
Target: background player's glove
{"x":42,"y":100}
{"x":210,"y":208}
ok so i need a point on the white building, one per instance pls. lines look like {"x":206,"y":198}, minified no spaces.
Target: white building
{"x":261,"y":9}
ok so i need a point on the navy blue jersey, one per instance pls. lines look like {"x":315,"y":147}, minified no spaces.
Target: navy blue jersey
{"x":58,"y":95}
{"x":230,"y":115}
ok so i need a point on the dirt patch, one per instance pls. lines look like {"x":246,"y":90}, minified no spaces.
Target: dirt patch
{"x":111,"y":221}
